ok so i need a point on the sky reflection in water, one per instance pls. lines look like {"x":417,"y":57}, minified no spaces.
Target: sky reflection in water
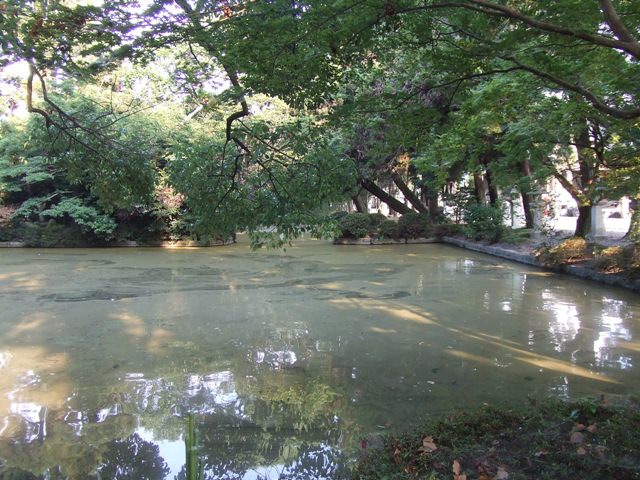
{"x":287,"y":359}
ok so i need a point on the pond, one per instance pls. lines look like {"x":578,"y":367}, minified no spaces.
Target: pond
{"x":287,"y":359}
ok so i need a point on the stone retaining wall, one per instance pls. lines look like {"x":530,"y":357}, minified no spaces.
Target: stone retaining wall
{"x":383,"y":241}
{"x":574,"y":270}
{"x":131,"y":244}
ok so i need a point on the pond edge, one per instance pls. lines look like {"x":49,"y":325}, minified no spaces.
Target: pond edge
{"x":573,"y":270}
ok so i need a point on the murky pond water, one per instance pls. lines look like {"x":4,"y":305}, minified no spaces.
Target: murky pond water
{"x":286,"y":359}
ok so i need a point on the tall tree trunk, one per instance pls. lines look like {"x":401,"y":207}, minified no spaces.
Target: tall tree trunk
{"x":393,"y":203}
{"x":478,"y":189}
{"x":360,"y":205}
{"x":525,"y":170}
{"x":634,"y":227}
{"x":432,"y":205}
{"x":587,"y":170}
{"x":493,"y":191}
{"x":526,"y":206}
{"x":583,"y":224}
{"x":414,"y":200}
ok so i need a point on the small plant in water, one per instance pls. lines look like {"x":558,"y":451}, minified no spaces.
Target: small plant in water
{"x":194,"y":469}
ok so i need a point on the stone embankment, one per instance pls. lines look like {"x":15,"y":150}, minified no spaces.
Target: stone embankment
{"x":526,"y":256}
{"x":133,"y":244}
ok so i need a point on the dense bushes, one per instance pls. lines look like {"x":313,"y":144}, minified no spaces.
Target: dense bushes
{"x":484,"y":223}
{"x":354,"y":225}
{"x":376,"y":219}
{"x":609,"y":259}
{"x":359,"y":225}
{"x":619,"y":259}
{"x":44,"y":235}
{"x":415,"y":225}
{"x":390,"y":229}
{"x":623,"y":260}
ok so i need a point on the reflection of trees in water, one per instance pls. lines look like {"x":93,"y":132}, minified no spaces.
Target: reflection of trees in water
{"x":614,"y":320}
{"x":302,"y":462}
{"x":274,"y":397}
{"x":133,"y":459}
{"x":63,"y":453}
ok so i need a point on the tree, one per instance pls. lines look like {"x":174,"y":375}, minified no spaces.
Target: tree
{"x":318,"y":56}
{"x":132,"y":458}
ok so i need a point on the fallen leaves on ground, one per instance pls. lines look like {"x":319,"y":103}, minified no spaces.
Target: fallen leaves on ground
{"x":397,"y":456}
{"x":456,"y":471}
{"x":428,"y":445}
{"x":576,"y":437}
{"x":501,"y":474}
{"x":599,"y":451}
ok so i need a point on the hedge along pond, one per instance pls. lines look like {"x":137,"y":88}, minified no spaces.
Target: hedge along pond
{"x":286,"y":358}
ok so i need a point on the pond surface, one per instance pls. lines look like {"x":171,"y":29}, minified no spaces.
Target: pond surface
{"x":287,"y":359}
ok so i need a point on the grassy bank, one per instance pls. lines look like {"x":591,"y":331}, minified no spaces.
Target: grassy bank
{"x":552,"y":440}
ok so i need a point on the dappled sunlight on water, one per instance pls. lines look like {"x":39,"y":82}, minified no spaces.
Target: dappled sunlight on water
{"x":287,"y":359}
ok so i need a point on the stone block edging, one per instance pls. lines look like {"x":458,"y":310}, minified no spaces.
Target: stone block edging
{"x":12,"y":245}
{"x":133,"y":244}
{"x":383,"y":241}
{"x":574,"y":270}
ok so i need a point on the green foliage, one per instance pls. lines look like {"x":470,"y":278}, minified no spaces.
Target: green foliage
{"x":415,"y":225}
{"x":31,"y":208}
{"x":484,"y":222}
{"x":389,"y":229}
{"x":15,"y":177}
{"x":44,"y":235}
{"x":87,"y":217}
{"x":375,"y":219}
{"x":619,"y":259}
{"x":336,"y":216}
{"x":447,"y":229}
{"x":347,"y":94}
{"x":410,"y":225}
{"x":518,"y":235}
{"x":354,"y":225}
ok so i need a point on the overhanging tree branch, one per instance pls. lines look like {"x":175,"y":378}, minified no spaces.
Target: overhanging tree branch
{"x":231,"y":74}
{"x":395,"y":204}
{"x":625,"y":42}
{"x":408,"y":193}
{"x":591,"y":97}
{"x":615,"y":22}
{"x":61,"y":126}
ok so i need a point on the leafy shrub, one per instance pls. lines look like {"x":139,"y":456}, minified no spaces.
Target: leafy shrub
{"x":375,"y":219}
{"x":516,"y":235}
{"x":609,"y":259}
{"x":30,"y":208}
{"x":483,"y":223}
{"x":415,"y":225}
{"x":389,"y":229}
{"x":44,"y":235}
{"x":354,"y":225}
{"x":619,"y":260}
{"x":90,"y":219}
{"x":567,"y":251}
{"x":632,"y":256}
{"x":338,"y":215}
{"x":447,"y":229}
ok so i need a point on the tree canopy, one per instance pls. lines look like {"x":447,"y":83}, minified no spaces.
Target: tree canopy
{"x":260,"y":114}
